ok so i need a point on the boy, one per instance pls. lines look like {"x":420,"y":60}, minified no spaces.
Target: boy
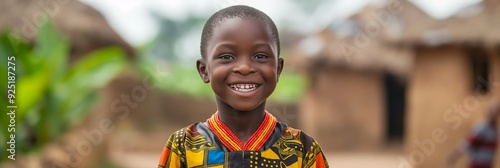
{"x":239,"y":50}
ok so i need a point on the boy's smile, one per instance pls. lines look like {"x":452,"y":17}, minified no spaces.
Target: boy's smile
{"x":244,"y":87}
{"x":241,"y":64}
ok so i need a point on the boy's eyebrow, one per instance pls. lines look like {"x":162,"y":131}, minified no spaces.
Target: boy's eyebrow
{"x":224,"y":45}
{"x":258,"y":45}
{"x":266,"y":45}
{"x":230,"y":45}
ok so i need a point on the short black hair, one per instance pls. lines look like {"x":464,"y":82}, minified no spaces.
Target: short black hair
{"x":237,"y":11}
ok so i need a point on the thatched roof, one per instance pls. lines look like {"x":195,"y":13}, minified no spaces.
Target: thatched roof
{"x":85,"y":27}
{"x":344,"y":43}
{"x":327,"y":49}
{"x":475,"y":24}
{"x":347,"y":44}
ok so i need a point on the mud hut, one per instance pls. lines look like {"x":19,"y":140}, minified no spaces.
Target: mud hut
{"x":87,"y":30}
{"x":424,"y":80}
{"x":355,"y":98}
{"x":454,"y":76}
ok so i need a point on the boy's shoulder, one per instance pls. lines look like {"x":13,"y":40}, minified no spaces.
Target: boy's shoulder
{"x":188,"y":137}
{"x":291,"y":133}
{"x":294,"y":133}
{"x":187,"y":132}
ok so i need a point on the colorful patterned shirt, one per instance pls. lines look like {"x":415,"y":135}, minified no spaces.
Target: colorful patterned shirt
{"x":211,"y":144}
{"x":481,"y":146}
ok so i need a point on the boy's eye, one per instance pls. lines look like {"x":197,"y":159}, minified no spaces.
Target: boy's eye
{"x":226,"y":56}
{"x":260,"y":56}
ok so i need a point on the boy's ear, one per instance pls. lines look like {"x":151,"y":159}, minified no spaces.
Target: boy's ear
{"x":281,"y":63}
{"x":201,"y":66}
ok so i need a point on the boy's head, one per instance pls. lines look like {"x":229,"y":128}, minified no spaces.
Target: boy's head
{"x":238,"y":11}
{"x":240,"y":57}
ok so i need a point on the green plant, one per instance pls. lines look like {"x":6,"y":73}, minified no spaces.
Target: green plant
{"x":51,"y":94}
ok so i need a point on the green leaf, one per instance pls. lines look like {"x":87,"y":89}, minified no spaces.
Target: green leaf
{"x":51,"y":50}
{"x":47,"y":65}
{"x":89,"y":73}
{"x":96,"y":69}
{"x":30,"y":90}
{"x":4,"y":134}
{"x":50,"y":95}
{"x":13,"y":44}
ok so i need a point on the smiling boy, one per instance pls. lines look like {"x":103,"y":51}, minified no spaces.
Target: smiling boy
{"x":240,"y":60}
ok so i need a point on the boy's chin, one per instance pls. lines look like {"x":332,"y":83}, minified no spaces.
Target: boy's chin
{"x":245,"y":107}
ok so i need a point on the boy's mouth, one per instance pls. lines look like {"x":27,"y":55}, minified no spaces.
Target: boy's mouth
{"x":244,"y":87}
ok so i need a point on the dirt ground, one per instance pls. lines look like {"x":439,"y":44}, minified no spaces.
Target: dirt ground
{"x":363,"y":160}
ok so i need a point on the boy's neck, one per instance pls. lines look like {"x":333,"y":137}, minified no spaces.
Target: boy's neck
{"x":242,"y":123}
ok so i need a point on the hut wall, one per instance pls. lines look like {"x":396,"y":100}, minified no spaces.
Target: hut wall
{"x":442,"y":105}
{"x":343,"y":109}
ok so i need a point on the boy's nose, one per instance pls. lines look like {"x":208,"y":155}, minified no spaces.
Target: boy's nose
{"x":243,"y":67}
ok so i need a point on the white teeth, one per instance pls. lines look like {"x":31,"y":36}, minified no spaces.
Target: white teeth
{"x":244,"y":87}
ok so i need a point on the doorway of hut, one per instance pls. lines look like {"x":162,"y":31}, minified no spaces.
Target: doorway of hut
{"x":395,"y":99}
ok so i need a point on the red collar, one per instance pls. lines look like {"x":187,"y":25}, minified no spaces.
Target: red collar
{"x":231,"y":141}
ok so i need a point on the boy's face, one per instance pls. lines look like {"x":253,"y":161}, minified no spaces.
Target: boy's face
{"x":241,"y":64}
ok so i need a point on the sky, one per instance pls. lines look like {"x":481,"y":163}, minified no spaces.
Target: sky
{"x":132,"y":19}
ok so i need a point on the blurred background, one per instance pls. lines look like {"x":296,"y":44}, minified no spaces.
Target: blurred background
{"x":379,"y":83}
